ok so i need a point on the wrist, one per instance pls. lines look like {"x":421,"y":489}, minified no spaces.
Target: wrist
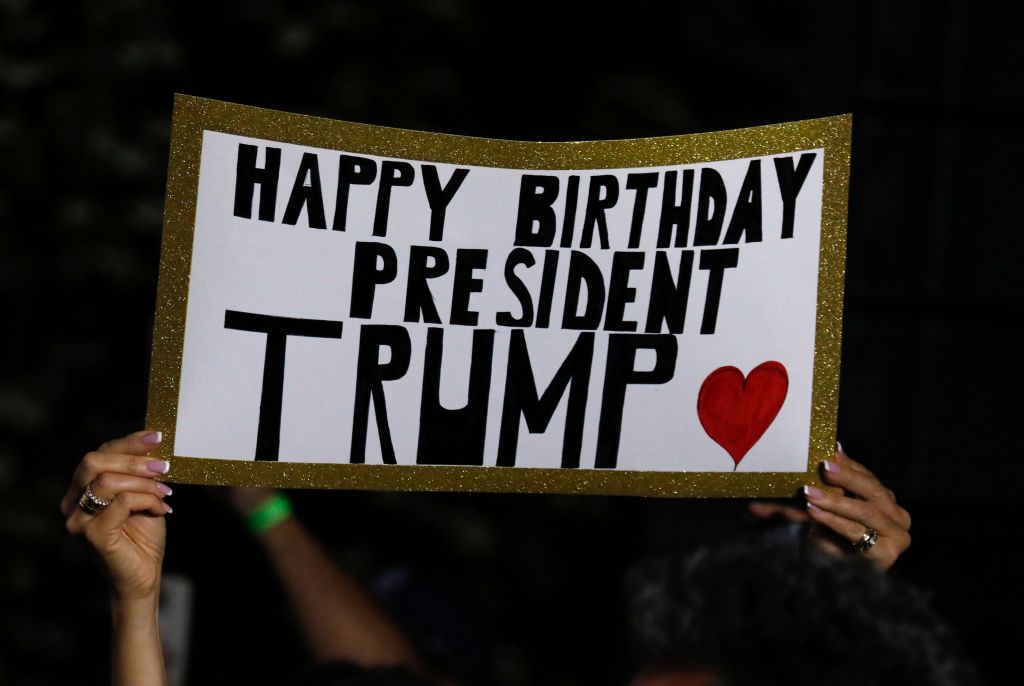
{"x":269,"y":514}
{"x":135,"y":600}
{"x":134,"y":612}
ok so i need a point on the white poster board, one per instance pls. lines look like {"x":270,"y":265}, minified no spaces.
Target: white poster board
{"x":352,"y":306}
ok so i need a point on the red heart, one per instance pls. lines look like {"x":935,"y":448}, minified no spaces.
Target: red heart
{"x":736,"y":411}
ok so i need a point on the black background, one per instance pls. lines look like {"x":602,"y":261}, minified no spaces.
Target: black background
{"x":526,"y":587}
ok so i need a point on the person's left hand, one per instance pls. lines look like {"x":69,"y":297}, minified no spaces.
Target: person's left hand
{"x":128,"y":534}
{"x":842,"y":517}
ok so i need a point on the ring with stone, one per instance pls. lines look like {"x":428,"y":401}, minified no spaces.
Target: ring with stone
{"x":89,"y":503}
{"x":867,"y":541}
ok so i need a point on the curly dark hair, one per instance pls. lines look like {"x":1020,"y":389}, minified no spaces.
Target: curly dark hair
{"x":350,"y":674}
{"x":778,"y":611}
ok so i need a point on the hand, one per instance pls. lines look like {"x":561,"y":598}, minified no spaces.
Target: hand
{"x":870,"y":505}
{"x":766,"y":509}
{"x":129,"y":534}
{"x":840,"y":521}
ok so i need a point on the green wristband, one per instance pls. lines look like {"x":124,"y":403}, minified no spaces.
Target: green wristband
{"x":270,"y":513}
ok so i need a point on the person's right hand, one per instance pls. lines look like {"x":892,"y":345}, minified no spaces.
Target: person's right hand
{"x":129,"y":534}
{"x":858,"y":502}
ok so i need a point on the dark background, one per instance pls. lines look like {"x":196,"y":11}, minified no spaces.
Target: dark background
{"x":527,"y":587}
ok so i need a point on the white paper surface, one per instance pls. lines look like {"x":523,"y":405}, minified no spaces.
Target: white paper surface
{"x":767,"y":312}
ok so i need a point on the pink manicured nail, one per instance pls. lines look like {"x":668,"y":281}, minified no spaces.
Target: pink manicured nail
{"x":167,"y":508}
{"x":839,"y":447}
{"x":812,"y":507}
{"x":831,"y":467}
{"x":163,"y":489}
{"x":152,"y":438}
{"x":158,"y":466}
{"x":812,"y":492}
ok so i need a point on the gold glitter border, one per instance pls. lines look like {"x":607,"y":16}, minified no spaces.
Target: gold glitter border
{"x":194,"y":115}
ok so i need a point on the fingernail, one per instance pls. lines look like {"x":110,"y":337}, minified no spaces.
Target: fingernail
{"x":839,"y":447}
{"x":158,"y":466}
{"x":812,"y":507}
{"x":152,"y":438}
{"x":167,"y":508}
{"x":164,"y":489}
{"x":831,"y":467}
{"x":812,"y":492}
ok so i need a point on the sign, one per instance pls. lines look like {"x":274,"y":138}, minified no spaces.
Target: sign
{"x":354,"y":306}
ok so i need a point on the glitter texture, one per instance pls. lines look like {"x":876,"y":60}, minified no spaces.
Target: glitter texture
{"x":194,"y":115}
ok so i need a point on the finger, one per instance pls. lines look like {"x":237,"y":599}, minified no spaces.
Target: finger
{"x":871,"y":483}
{"x":96,"y":463}
{"x":849,"y":530}
{"x":851,"y":465}
{"x":767,"y":510}
{"x":138,"y":443}
{"x":842,"y":459}
{"x":860,"y":483}
{"x":867,"y":487}
{"x":123,"y":504}
{"x":126,"y":504}
{"x":885,"y":551}
{"x":109,"y":485}
{"x":113,"y":517}
{"x":763,"y":510}
{"x":861,"y":513}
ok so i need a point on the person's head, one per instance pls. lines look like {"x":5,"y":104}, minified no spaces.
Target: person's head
{"x":777,"y":611}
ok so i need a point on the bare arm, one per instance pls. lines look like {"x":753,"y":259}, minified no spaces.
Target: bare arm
{"x":128,"y":534}
{"x":338,"y":617}
{"x":137,"y":657}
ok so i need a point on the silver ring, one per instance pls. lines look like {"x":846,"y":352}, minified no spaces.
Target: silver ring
{"x":867,"y":541}
{"x":89,"y":503}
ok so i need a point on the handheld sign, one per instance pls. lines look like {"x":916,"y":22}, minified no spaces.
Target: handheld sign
{"x":352,"y":306}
